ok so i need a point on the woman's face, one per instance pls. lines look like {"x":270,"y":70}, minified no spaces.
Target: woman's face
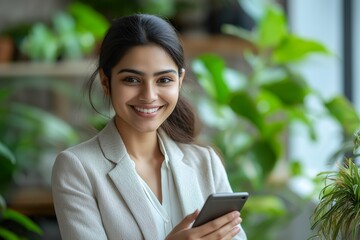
{"x":145,"y":87}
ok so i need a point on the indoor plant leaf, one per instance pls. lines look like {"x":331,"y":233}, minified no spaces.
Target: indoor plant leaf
{"x":24,"y":221}
{"x":343,"y":111}
{"x":209,"y":69}
{"x":7,"y":167}
{"x":294,"y":48}
{"x":272,"y":28}
{"x":245,"y":106}
{"x":8,"y":235}
{"x":6,"y":154}
{"x":239,"y":32}
{"x":265,"y":154}
{"x":88,"y":20}
{"x":52,"y":128}
{"x":289,"y":92}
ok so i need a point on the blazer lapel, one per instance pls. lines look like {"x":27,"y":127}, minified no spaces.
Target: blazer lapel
{"x":185,"y":177}
{"x":126,"y":180}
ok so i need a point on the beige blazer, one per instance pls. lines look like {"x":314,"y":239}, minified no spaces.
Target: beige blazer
{"x":98,"y":196}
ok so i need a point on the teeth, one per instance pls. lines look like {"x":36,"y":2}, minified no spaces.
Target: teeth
{"x":146,"y":110}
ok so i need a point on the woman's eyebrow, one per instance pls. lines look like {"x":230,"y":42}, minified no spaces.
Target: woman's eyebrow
{"x":142,"y":73}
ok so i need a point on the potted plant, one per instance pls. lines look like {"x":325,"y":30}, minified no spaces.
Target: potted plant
{"x":338,"y":212}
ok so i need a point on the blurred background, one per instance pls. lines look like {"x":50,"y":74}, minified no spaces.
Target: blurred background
{"x":273,"y":82}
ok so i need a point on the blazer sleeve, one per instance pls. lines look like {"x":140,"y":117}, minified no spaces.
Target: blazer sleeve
{"x":74,"y":201}
{"x":222,"y":184}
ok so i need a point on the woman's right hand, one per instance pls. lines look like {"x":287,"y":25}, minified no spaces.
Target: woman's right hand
{"x":224,"y":227}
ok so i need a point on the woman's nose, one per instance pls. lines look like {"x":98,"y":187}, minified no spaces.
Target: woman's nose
{"x":148,"y":93}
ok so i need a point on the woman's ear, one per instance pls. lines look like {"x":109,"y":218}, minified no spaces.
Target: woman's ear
{"x":104,"y":80}
{"x":181,"y":78}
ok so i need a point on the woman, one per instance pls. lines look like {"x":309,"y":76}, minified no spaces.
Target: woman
{"x":141,"y":177}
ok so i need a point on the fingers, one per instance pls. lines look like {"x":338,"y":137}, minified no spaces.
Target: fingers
{"x":224,"y":227}
{"x":185,"y":223}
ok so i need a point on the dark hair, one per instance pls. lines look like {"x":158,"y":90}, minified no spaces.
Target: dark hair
{"x":142,"y":29}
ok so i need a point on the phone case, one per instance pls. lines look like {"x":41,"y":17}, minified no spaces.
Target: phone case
{"x":219,"y":204}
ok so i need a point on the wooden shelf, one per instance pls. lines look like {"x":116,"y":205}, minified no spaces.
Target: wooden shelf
{"x":32,"y":201}
{"x":227,"y":46}
{"x":65,"y":69}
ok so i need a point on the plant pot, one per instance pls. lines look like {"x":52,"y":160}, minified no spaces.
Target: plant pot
{"x":6,"y":49}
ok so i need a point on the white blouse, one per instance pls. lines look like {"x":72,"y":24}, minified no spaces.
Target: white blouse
{"x":168,"y":213}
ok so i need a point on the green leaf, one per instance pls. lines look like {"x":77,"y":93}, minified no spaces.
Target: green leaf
{"x":8,"y":235}
{"x":52,"y":128}
{"x":41,"y":43}
{"x":2,"y":204}
{"x":264,"y":153}
{"x":299,"y":113}
{"x":245,"y":106}
{"x":288,"y":91}
{"x":210,"y":71}
{"x":26,"y":222}
{"x":89,"y":20}
{"x":268,"y":205}
{"x":272,"y":27}
{"x":7,"y":167}
{"x":344,"y":112}
{"x":294,"y":48}
{"x":239,"y":32}
{"x":6,"y":154}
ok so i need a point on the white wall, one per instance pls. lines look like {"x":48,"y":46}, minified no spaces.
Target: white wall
{"x":320,"y":20}
{"x":356,"y":47}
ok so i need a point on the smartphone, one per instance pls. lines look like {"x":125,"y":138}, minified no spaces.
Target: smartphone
{"x":219,"y":204}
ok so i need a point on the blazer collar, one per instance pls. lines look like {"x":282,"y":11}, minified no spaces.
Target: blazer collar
{"x":126,"y":180}
{"x":185,"y":178}
{"x":111,"y":143}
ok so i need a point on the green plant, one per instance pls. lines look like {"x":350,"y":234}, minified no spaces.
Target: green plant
{"x":116,"y":8}
{"x":9,"y":217}
{"x":338,"y":212}
{"x":28,"y":131}
{"x":249,"y":113}
{"x":73,"y":34}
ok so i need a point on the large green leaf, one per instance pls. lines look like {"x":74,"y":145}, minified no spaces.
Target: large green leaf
{"x":210,"y":69}
{"x":7,"y":166}
{"x":294,"y":48}
{"x":343,"y":111}
{"x":24,"y":221}
{"x":52,"y":129}
{"x":264,"y":153}
{"x":87,"y":19}
{"x":272,"y":28}
{"x":8,"y":235}
{"x":6,"y":154}
{"x":245,"y":106}
{"x":288,"y":91}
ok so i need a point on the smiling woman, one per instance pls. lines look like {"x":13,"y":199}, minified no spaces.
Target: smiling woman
{"x":142,"y":176}
{"x":144,"y":91}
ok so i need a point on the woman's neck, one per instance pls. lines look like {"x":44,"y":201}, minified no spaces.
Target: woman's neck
{"x":141,"y":146}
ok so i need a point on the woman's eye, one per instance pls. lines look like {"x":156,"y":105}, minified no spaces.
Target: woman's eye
{"x":131,"y":80}
{"x":165,"y":80}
